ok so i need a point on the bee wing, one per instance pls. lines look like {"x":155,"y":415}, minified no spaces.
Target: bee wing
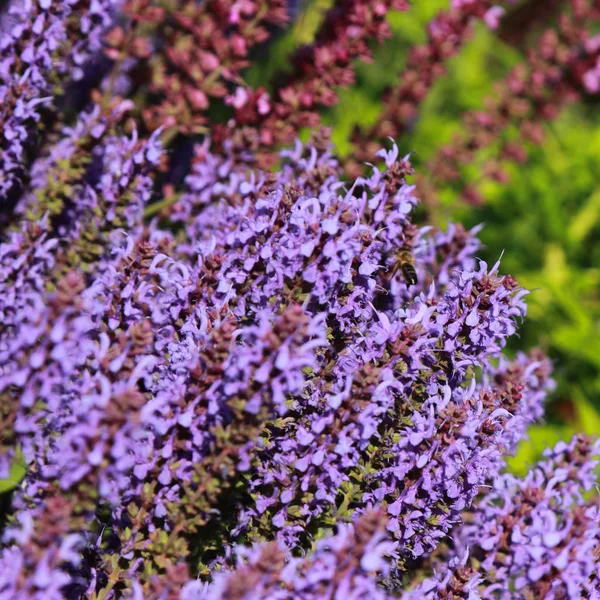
{"x":395,"y":267}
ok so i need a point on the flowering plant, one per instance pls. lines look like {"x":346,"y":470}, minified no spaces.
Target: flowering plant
{"x":241,"y":382}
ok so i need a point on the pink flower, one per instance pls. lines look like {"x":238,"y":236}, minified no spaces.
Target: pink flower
{"x":493,"y":15}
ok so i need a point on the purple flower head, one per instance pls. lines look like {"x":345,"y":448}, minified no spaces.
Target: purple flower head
{"x":225,"y":395}
{"x":537,"y":534}
{"x":347,"y":564}
{"x":42,"y":44}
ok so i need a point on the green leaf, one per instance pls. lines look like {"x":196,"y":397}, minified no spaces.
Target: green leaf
{"x":530,"y":450}
{"x":16,"y":475}
{"x":588,"y":416}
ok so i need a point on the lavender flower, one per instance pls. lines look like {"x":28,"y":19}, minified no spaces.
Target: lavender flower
{"x":221,"y":381}
{"x":347,"y":564}
{"x":539,"y":535}
{"x":43,"y":44}
{"x":262,"y":373}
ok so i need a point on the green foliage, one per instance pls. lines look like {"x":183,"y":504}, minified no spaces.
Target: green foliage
{"x":17,"y":472}
{"x":273,"y":58}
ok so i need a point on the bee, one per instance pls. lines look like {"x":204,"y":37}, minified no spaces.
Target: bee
{"x":405,"y":262}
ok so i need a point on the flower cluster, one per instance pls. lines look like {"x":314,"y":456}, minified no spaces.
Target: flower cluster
{"x":537,"y":536}
{"x":43,"y":45}
{"x":263,"y":373}
{"x":561,"y":67}
{"x":267,"y":383}
{"x":185,"y":54}
{"x":355,"y":555}
{"x":319,"y":70}
{"x":185,"y":58}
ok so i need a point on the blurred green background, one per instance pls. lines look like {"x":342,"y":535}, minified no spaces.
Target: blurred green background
{"x":546,"y":220}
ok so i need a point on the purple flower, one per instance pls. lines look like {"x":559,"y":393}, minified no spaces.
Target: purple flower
{"x":261,"y":373}
{"x":537,"y":535}
{"x":41,"y":43}
{"x":347,"y":564}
